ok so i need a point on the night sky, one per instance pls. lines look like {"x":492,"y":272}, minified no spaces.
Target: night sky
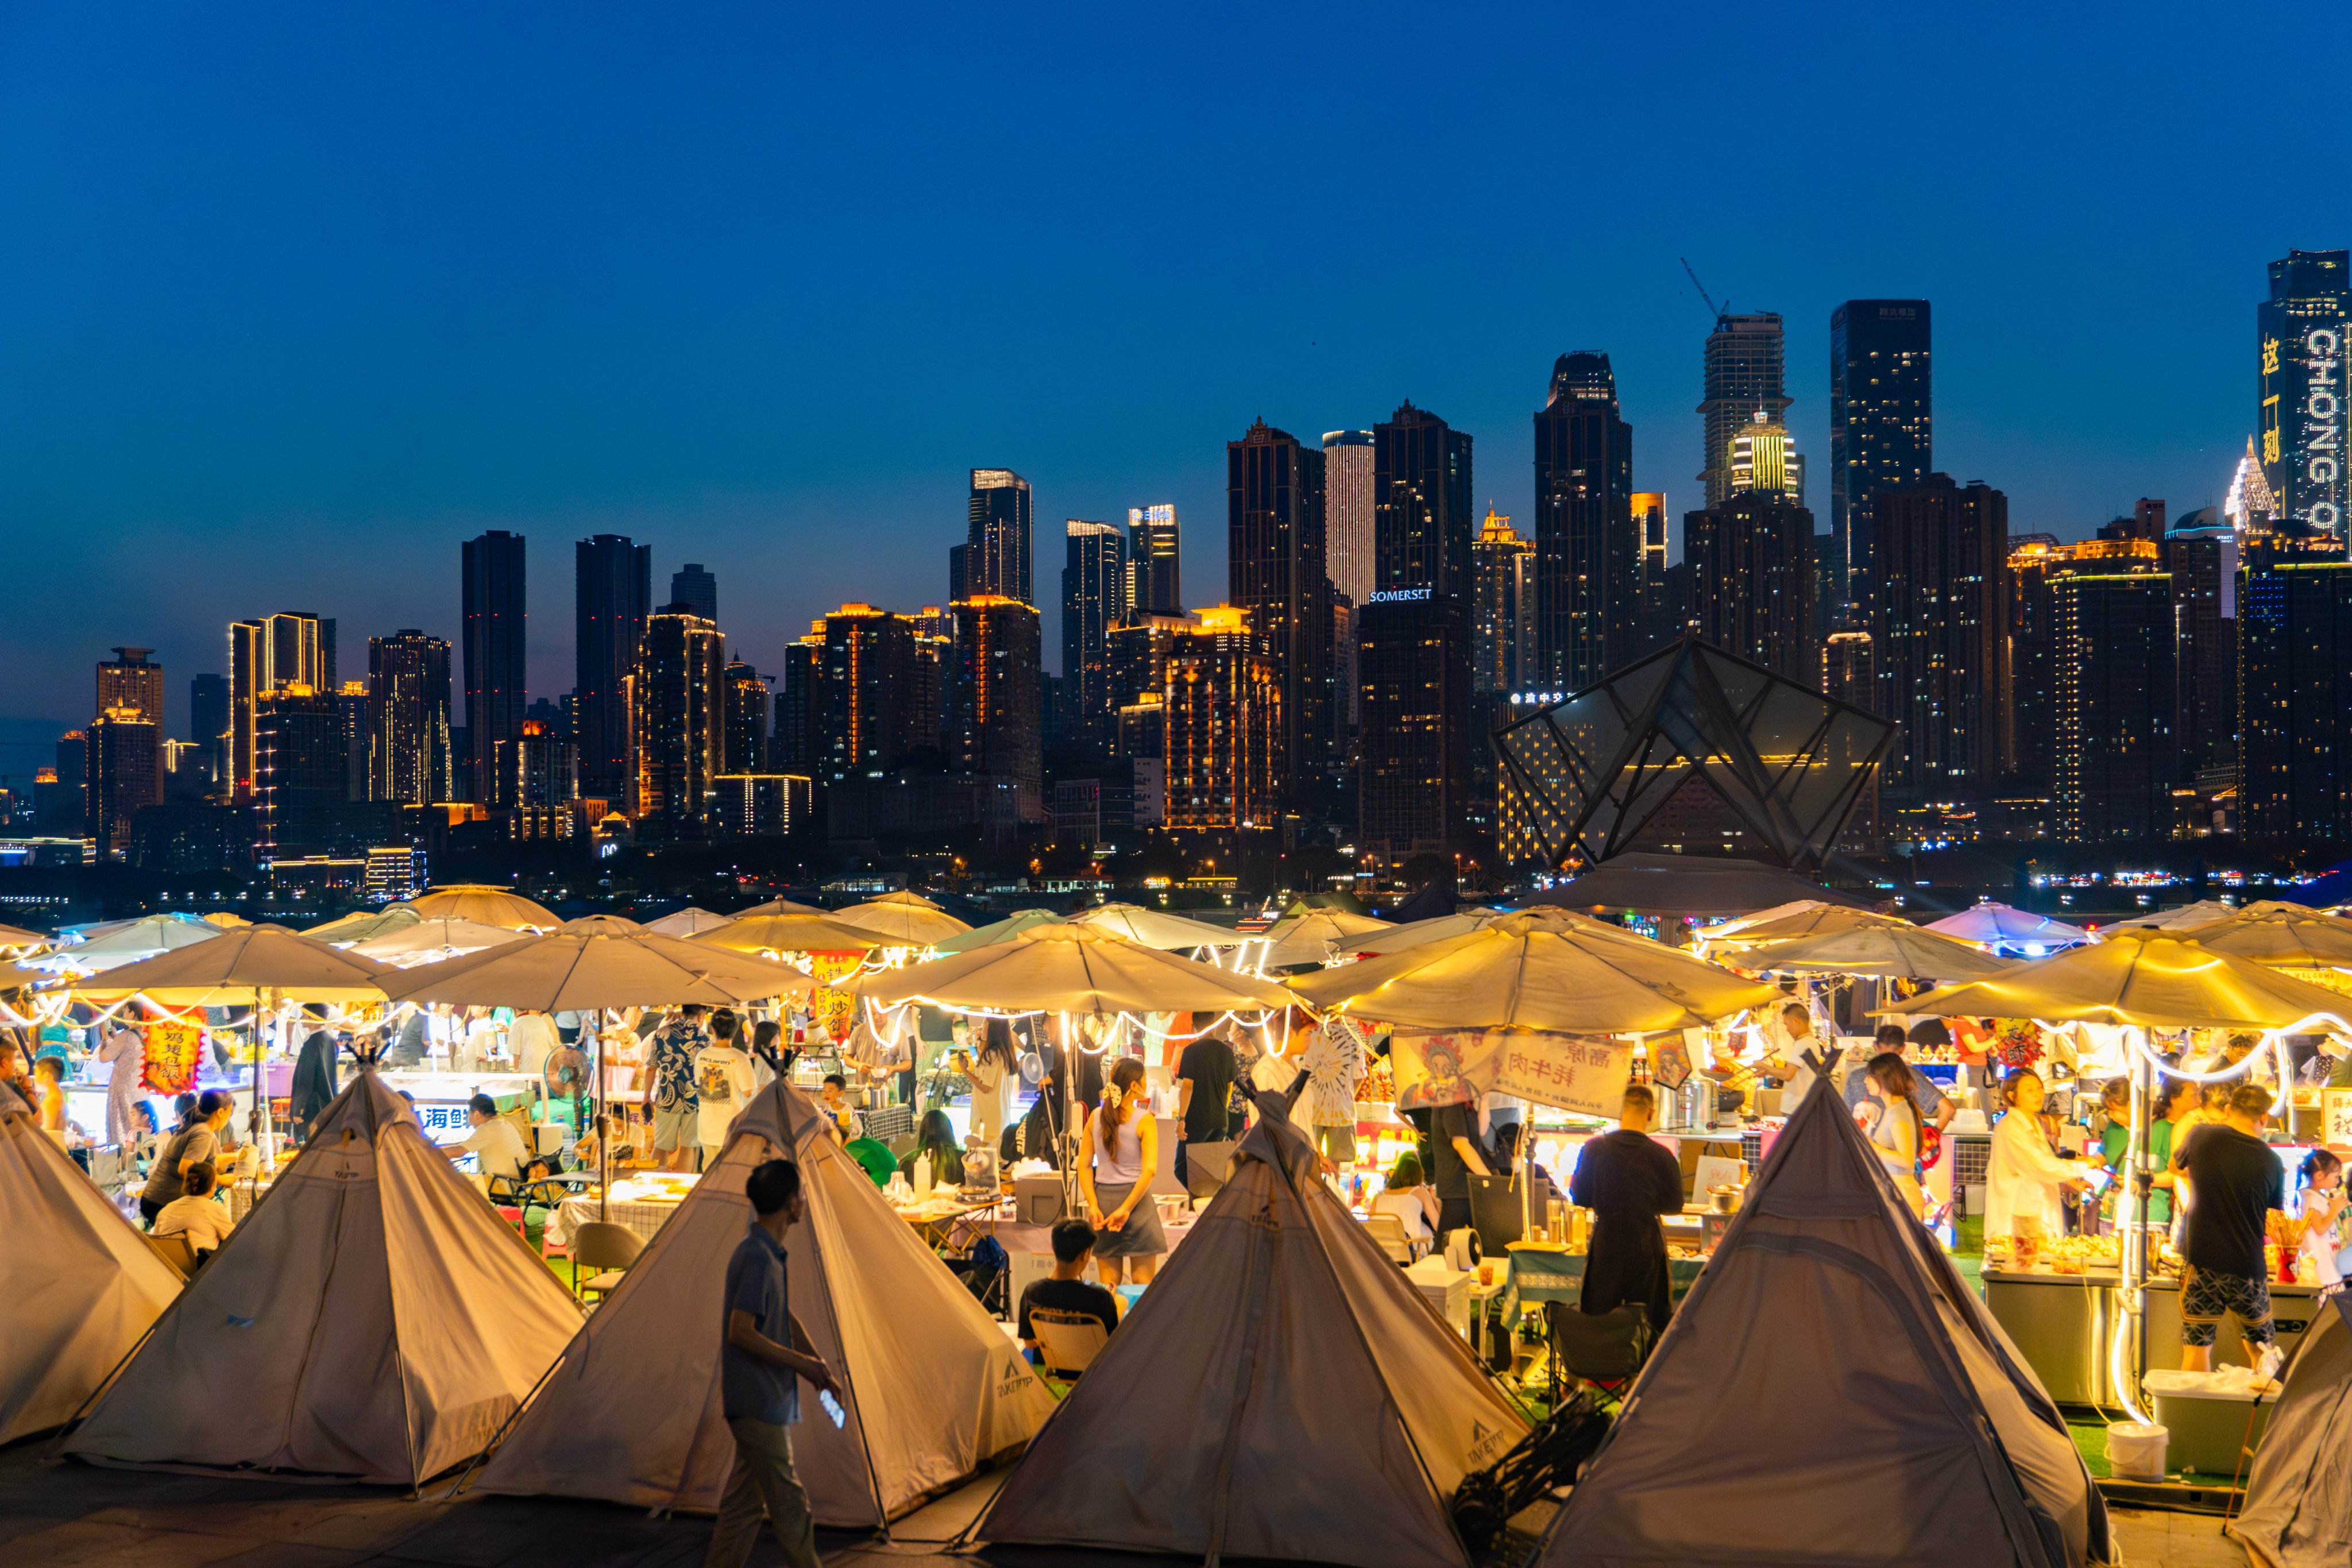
{"x":293,"y":298}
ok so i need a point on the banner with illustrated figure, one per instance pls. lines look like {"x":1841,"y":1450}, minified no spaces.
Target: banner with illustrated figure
{"x":173,"y":1051}
{"x":1586,"y":1073}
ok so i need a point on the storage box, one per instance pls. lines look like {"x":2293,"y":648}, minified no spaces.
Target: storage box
{"x":1445,"y":1289}
{"x":1037,"y":1200}
{"x":2208,"y":1429}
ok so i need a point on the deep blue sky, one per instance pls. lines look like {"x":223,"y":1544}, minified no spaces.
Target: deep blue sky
{"x":293,"y":298}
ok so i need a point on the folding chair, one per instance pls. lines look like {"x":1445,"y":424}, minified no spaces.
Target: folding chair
{"x":175,"y":1251}
{"x":1605,"y":1349}
{"x":1387,"y":1232}
{"x":610,"y":1248}
{"x":1494,"y":1212}
{"x":1067,"y":1342}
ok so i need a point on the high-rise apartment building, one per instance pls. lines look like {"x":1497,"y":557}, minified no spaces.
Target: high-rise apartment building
{"x":996,"y":724}
{"x":1751,"y":579}
{"x":1413,"y":779}
{"x":797,"y":746}
{"x":1155,"y":565}
{"x":613,"y":591}
{"x":491,"y":568}
{"x":2304,"y":333}
{"x":124,"y":772}
{"x":355,"y":715}
{"x":301,"y":780}
{"x":1936,"y":631}
{"x":676,"y":702}
{"x":1589,"y":608}
{"x":208,"y":724}
{"x":868,"y":706}
{"x":2202,"y":554}
{"x":2294,"y":629}
{"x":1661,"y":615}
{"x":1222,"y":710}
{"x":1348,"y":513}
{"x":129,"y":680}
{"x":408,"y":699}
{"x":696,"y":586}
{"x":743,"y":727}
{"x":1276,"y":571}
{"x":1095,"y":577}
{"x":2117,"y":756}
{"x":1744,"y":375}
{"x":1882,"y":429}
{"x":283,"y":652}
{"x":997,"y":557}
{"x":2037,"y":562}
{"x":1502,"y":607}
{"x":536,"y":771}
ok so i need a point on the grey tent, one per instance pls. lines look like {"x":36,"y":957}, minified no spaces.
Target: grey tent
{"x":2298,"y":1512}
{"x":931,"y":1389}
{"x":1831,"y":1391}
{"x":1280,"y":1391}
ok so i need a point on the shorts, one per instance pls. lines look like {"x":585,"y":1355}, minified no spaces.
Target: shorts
{"x":677,"y":1127}
{"x":2208,"y":1295}
{"x":1338,"y":1143}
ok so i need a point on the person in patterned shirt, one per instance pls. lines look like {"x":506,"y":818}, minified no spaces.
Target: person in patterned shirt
{"x":677,"y":1109}
{"x":1335,"y":1063}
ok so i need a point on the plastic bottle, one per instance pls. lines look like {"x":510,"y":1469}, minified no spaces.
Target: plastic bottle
{"x":922,"y":1175}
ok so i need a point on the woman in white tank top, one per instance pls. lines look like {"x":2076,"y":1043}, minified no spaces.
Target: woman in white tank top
{"x":1122,"y":1153}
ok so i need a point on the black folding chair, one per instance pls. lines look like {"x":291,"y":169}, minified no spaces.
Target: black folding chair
{"x":1604,"y":1349}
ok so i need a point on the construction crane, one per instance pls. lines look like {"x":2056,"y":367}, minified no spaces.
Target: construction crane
{"x":1722,"y":312}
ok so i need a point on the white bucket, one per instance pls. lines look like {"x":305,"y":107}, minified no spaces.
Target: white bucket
{"x":2135,"y":1452}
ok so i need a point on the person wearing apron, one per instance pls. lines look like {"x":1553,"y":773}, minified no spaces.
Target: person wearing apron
{"x":1123,"y":1150}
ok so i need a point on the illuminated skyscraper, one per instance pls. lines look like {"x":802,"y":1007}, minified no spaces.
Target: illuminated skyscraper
{"x":1154,"y":562}
{"x":408,"y":697}
{"x":1348,"y":512}
{"x":286,"y":650}
{"x":743,"y":730}
{"x":125,"y":763}
{"x":1764,"y":459}
{"x":2037,"y":562}
{"x":2295,"y":742}
{"x":1744,"y":376}
{"x":2117,"y":752}
{"x":996,"y":722}
{"x":301,"y":780}
{"x":1661,"y":621}
{"x":491,"y":566}
{"x":1588,"y":611}
{"x":1502,"y":609}
{"x":208,"y":723}
{"x":2304,"y":333}
{"x":613,"y":591}
{"x":678,"y":702}
{"x":1275,"y":570}
{"x":2201,"y":554}
{"x":129,"y":680}
{"x":1224,"y":725}
{"x":868,"y":707}
{"x":1936,"y":627}
{"x":996,"y":557}
{"x":1094,"y":599}
{"x":1881,"y":428}
{"x":1751,"y":579}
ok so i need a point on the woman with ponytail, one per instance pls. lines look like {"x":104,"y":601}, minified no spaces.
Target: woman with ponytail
{"x":1122,"y":1154}
{"x":1890,"y":1119}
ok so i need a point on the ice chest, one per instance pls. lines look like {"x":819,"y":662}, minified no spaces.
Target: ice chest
{"x":1444,"y":1288}
{"x":2208,"y":1429}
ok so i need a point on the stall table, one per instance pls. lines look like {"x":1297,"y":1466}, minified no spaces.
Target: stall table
{"x":643,"y":1203}
{"x":2064,"y":1325}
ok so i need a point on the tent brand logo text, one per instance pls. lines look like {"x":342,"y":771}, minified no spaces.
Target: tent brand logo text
{"x":1482,"y":1443}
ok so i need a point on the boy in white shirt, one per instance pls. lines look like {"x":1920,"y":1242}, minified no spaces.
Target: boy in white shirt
{"x":724,"y":1078}
{"x":196,"y":1214}
{"x":495,"y":1144}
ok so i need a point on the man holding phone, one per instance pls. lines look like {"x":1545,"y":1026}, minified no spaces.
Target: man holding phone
{"x":765,"y":1351}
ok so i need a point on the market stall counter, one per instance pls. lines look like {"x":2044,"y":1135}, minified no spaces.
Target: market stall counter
{"x":2064,"y":1325}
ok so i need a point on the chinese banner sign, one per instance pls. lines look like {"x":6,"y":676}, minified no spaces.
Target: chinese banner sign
{"x":173,"y":1053}
{"x":1577,"y":1073}
{"x":830,"y":1010}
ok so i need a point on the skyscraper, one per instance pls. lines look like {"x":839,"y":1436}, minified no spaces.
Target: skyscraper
{"x":996,"y":725}
{"x":743,"y":727}
{"x":1744,"y":376}
{"x":613,"y":591}
{"x":408,"y":699}
{"x":129,"y":680}
{"x":1154,"y":562}
{"x":283,"y":652}
{"x":1224,"y":725}
{"x":493,"y":635}
{"x":1348,"y":513}
{"x":1882,"y":427}
{"x":301,"y":781}
{"x":2037,"y":562}
{"x":694,"y":586}
{"x":796,"y":744}
{"x":2202,"y":554}
{"x":1588,"y":611}
{"x":1751,"y":579}
{"x":867,"y":706}
{"x":1276,"y":571}
{"x":124,"y":760}
{"x":1661,"y":617}
{"x":2304,"y":333}
{"x":1414,"y":781}
{"x":1764,"y":458}
{"x":1095,"y":577}
{"x":2116,"y":755}
{"x":676,"y":704}
{"x":208,"y":723}
{"x":2294,"y":630}
{"x":1936,"y":630}
{"x":1502,"y":607}
{"x":997,"y":555}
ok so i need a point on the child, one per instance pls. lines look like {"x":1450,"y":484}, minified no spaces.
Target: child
{"x":723,"y":1082}
{"x":2318,"y":1206}
{"x":196,"y":1214}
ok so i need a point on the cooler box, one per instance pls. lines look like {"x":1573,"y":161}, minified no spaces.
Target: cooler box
{"x":1037,"y":1200}
{"x":1445,"y":1289}
{"x":2208,"y":1428}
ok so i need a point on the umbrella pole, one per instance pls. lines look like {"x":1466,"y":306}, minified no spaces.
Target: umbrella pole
{"x":604,"y":1138}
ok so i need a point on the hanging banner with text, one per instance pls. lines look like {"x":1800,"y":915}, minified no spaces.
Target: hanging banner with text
{"x":170,"y":1061}
{"x":1586,"y":1073}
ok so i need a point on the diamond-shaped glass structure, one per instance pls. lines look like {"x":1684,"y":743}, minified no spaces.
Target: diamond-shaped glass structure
{"x":1692,"y":742}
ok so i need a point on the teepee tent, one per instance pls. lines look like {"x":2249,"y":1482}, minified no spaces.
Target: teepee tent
{"x":1282,"y":1391}
{"x":932,"y":1388}
{"x":1831,"y":1391}
{"x":2298,"y":1512}
{"x":78,"y":1284}
{"x":373,"y":1318}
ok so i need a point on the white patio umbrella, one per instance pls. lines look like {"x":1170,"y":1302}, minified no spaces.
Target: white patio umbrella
{"x":1317,"y":936}
{"x":902,"y":919}
{"x":431,"y":941}
{"x":689,"y":922}
{"x":1156,"y":928}
{"x":120,"y":942}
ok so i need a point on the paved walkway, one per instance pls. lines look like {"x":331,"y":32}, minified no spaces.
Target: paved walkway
{"x":66,"y":1516}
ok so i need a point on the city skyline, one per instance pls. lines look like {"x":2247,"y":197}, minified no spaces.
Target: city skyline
{"x":759,"y":449}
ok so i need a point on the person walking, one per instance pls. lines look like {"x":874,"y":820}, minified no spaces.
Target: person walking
{"x":1123,"y":1151}
{"x":724,"y":1082}
{"x":677,"y":1114}
{"x":124,"y":1052}
{"x":1628,"y":1181}
{"x":763,"y":1355}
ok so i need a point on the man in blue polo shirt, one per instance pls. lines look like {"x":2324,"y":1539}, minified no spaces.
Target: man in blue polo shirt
{"x":765,"y":1350}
